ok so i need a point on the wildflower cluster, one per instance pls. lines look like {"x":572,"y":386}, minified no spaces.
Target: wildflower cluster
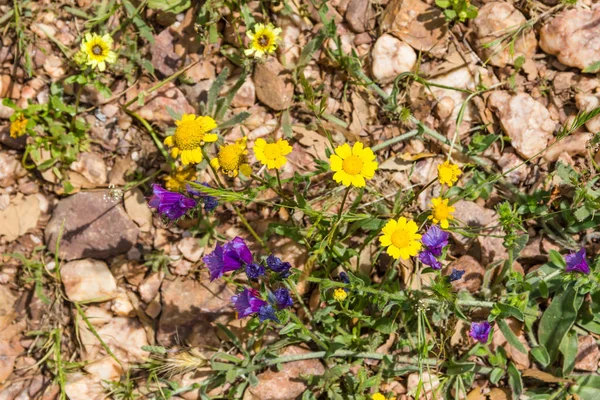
{"x":174,"y":205}
{"x":234,"y":256}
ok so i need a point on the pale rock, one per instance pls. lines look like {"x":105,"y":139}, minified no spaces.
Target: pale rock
{"x":120,"y":170}
{"x":588,"y":102}
{"x":191,"y":306}
{"x":495,"y":20}
{"x":588,"y":354}
{"x":98,"y":316}
{"x":92,"y":167}
{"x":156,"y":105}
{"x":246,"y":95}
{"x":6,"y":111}
{"x":9,"y":351}
{"x":201,"y":71}
{"x":573,"y":36}
{"x":391,"y":57}
{"x":10,"y":170}
{"x":359,"y":15}
{"x":286,"y":383}
{"x":84,"y":387}
{"x":95,"y":226}
{"x":473,"y":277}
{"x":181,"y":266}
{"x":513,"y":167}
{"x":574,"y":144}
{"x":54,"y":67}
{"x":88,"y":280}
{"x":154,"y":308}
{"x":471,"y":215}
{"x":525,"y":121}
{"x":289,"y":48}
{"x":124,"y":336}
{"x":121,"y":305}
{"x":105,"y":368}
{"x":417,"y":23}
{"x":273,"y":84}
{"x":190,"y":248}
{"x":149,"y":287}
{"x":7,"y":311}
{"x":43,"y":30}
{"x":137,"y":208}
{"x":429,"y":381}
{"x":19,"y":217}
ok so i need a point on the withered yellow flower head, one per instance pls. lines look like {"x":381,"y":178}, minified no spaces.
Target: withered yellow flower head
{"x":232,"y":158}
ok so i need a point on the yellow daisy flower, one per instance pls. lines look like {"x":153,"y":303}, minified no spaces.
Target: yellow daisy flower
{"x":263,"y":40}
{"x":18,"y":127}
{"x":401,"y":238}
{"x":340,"y":294}
{"x":448,"y":173}
{"x":441,"y":212}
{"x":178,"y":178}
{"x":272,"y":154}
{"x":232,"y":158}
{"x":190,"y":136}
{"x":378,"y":396}
{"x":353,"y":165}
{"x":98,"y":50}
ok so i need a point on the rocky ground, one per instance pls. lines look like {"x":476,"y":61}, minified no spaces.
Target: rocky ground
{"x":127,"y":280}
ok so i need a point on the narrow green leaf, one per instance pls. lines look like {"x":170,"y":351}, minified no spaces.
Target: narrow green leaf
{"x":587,"y":388}
{"x":514,"y":380}
{"x":541,"y":355}
{"x":511,"y":337}
{"x":568,"y":348}
{"x":592,"y":68}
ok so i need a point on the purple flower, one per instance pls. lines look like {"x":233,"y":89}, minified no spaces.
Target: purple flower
{"x":210,"y":202}
{"x":253,"y":271}
{"x":576,"y":262}
{"x":172,"y":205}
{"x":281,"y":267}
{"x":456,"y":274}
{"x":480,"y":331}
{"x":344,"y":277}
{"x":435,"y":239}
{"x":267,"y":312}
{"x":236,"y":254}
{"x":427,"y":258}
{"x":248,"y":302}
{"x":283,"y":298}
{"x":231,"y":256}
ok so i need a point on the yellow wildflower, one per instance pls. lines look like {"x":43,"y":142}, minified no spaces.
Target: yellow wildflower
{"x":378,"y":396}
{"x":272,"y":154}
{"x":190,"y":136}
{"x":448,"y":173}
{"x":232,"y":158}
{"x":340,"y":294}
{"x":441,"y":212}
{"x":263,"y":40}
{"x":98,"y":50}
{"x":401,"y":238}
{"x":178,"y":178}
{"x":18,"y":127}
{"x":353,"y":165}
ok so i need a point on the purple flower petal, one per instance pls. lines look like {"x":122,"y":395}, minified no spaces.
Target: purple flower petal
{"x":248,"y":302}
{"x":456,"y":274}
{"x":576,"y":262}
{"x":267,"y":312}
{"x":480,"y":331}
{"x":214,"y":262}
{"x":254,"y":271}
{"x":172,"y":205}
{"x":283,"y":298}
{"x":236,"y":255}
{"x":276,"y":265}
{"x":435,"y":239}
{"x":427,"y":258}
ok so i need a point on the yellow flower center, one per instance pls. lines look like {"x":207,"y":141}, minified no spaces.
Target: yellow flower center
{"x":441,"y":212}
{"x":352,"y":165}
{"x":189,"y":135}
{"x":340,"y":294}
{"x":400,"y":238}
{"x":272,"y":151}
{"x":230,"y":157}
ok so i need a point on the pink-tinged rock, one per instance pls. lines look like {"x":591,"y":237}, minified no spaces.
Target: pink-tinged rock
{"x":573,"y":36}
{"x":473,"y":277}
{"x":287,"y":383}
{"x":88,"y":280}
{"x":9,"y":351}
{"x":588,"y":354}
{"x":273,"y":85}
{"x":156,"y":105}
{"x":95,"y":226}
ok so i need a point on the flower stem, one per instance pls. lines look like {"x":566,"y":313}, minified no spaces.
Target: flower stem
{"x":155,"y":138}
{"x":395,"y":140}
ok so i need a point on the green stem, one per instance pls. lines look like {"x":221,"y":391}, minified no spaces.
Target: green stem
{"x":395,"y":140}
{"x":249,"y":228}
{"x":155,"y":138}
{"x":314,"y":337}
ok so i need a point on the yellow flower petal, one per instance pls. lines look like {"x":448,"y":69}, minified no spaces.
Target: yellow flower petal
{"x":343,"y":151}
{"x":335,"y":162}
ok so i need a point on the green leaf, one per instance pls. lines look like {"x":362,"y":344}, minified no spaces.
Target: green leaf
{"x":587,"y":388}
{"x":592,"y":68}
{"x":510,"y":336}
{"x":558,"y":319}
{"x":459,"y":368}
{"x":582,"y":213}
{"x":556,"y":258}
{"x":155,"y":349}
{"x":496,"y":375}
{"x":173,"y":6}
{"x":235,"y":120}
{"x":568,"y":348}
{"x":215,"y":89}
{"x":442,"y":3}
{"x":541,"y":355}
{"x":514,"y":380}
{"x":385,"y":325}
